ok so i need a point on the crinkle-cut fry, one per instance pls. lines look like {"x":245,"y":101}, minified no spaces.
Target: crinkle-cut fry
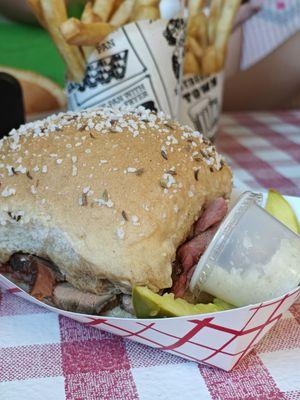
{"x":195,"y":7}
{"x":85,"y":34}
{"x":104,"y":9}
{"x":36,"y":8}
{"x":193,"y":46}
{"x":55,"y":14}
{"x":190,"y":65}
{"x":224,"y":25}
{"x":123,"y":13}
{"x":145,"y":12}
{"x":210,"y":61}
{"x":88,"y":14}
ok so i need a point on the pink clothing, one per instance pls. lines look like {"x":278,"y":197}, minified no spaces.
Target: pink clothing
{"x":277,"y":21}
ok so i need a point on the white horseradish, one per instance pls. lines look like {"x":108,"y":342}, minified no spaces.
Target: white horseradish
{"x":259,"y":282}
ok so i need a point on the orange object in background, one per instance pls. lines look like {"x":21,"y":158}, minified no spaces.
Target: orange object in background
{"x":40,"y":94}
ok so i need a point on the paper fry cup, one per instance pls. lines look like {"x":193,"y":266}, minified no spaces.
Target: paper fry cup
{"x":140,"y":65}
{"x":201,"y":102}
{"x":137,"y":65}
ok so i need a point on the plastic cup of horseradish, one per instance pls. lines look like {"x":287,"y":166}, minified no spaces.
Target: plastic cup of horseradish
{"x":252,"y":258}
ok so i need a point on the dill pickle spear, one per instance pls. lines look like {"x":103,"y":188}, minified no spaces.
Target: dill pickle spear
{"x":148,"y":304}
{"x":280,"y":208}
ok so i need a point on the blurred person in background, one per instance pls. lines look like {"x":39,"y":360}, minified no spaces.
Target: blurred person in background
{"x":262,"y":68}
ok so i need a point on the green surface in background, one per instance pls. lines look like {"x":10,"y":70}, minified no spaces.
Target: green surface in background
{"x":75,"y":8}
{"x":30,"y":47}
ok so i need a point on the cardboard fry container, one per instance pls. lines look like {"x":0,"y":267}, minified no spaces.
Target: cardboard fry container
{"x":201,"y":102}
{"x":141,"y":64}
{"x":219,"y":339}
{"x":137,"y":65}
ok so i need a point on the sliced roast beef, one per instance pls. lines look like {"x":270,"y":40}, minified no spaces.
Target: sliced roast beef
{"x":21,"y":263}
{"x":190,"y":252}
{"x":44,"y":283}
{"x":214,"y":213}
{"x":33,"y":274}
{"x":188,"y":255}
{"x":27,"y":266}
{"x":23,"y":268}
{"x":43,"y":280}
{"x":4,"y":268}
{"x":69,"y":298}
{"x":126,"y":303}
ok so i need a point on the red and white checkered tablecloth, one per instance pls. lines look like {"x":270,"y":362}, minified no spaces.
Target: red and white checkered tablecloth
{"x":44,"y":356}
{"x":263,"y":149}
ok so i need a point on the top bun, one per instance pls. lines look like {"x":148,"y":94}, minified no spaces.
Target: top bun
{"x":106,"y":194}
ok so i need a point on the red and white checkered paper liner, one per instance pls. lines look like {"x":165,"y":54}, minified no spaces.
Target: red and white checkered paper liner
{"x":219,"y":339}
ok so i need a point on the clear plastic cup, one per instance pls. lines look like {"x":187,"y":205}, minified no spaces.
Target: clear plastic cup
{"x":252,"y":258}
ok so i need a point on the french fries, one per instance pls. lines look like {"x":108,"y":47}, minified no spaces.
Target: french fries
{"x":190,"y":65}
{"x":196,"y":23}
{"x":214,"y":15}
{"x":144,"y":3}
{"x":208,"y":29}
{"x":38,"y":12}
{"x":195,"y":7}
{"x":116,"y":5}
{"x":209,"y":61}
{"x":89,"y":15}
{"x":84,"y":34}
{"x":216,"y":8}
{"x":147,"y":3}
{"x":193,"y":46}
{"x":208,"y":34}
{"x":123,"y":13}
{"x":146,"y":12}
{"x":55,"y":13}
{"x":211,"y":30}
{"x":103,"y":8}
{"x":225,"y":23}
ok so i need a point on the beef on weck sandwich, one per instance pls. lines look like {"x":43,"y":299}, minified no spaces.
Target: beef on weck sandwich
{"x":96,"y":202}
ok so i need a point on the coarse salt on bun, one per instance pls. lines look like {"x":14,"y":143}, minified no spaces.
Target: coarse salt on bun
{"x":106,"y":194}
